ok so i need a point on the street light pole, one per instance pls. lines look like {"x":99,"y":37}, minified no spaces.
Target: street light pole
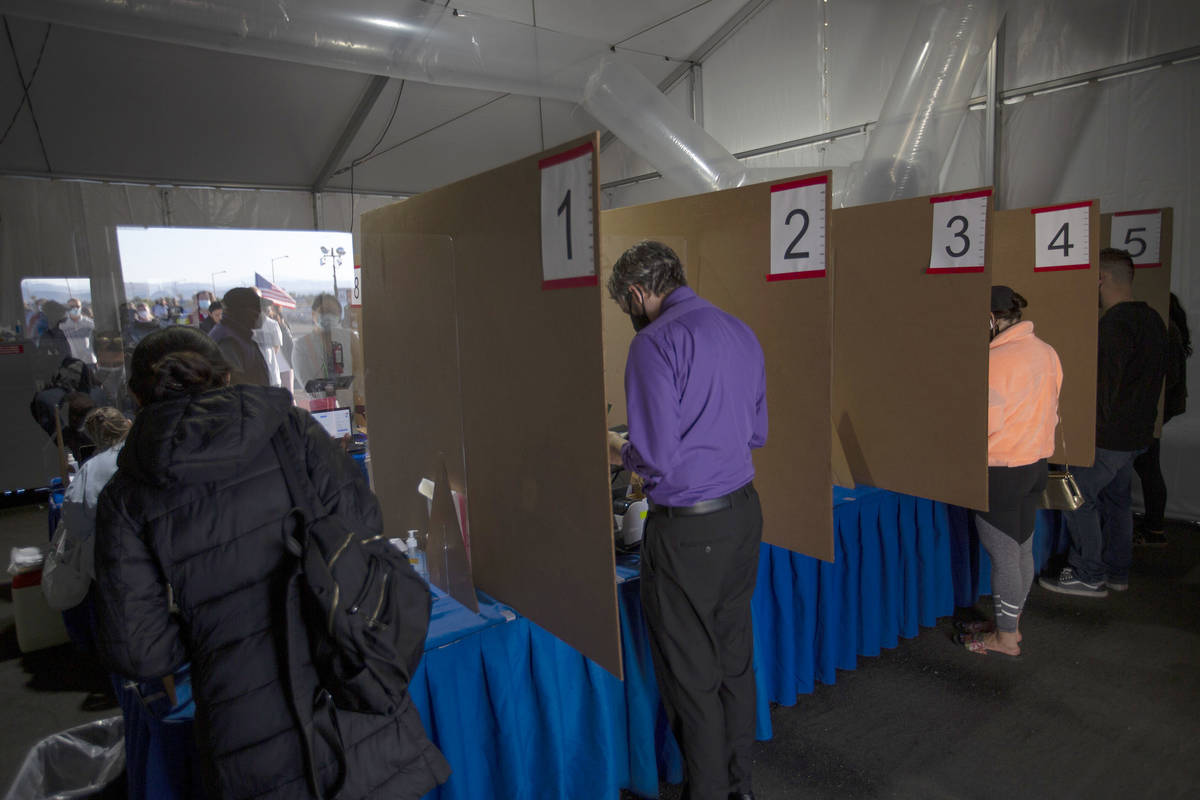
{"x":273,"y":260}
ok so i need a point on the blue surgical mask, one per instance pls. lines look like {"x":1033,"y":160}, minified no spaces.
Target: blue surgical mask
{"x":204,"y":304}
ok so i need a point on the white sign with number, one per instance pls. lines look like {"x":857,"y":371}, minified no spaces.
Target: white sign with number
{"x":1139,"y":232}
{"x":798,"y":229}
{"x":568,"y":249}
{"x":1061,"y":237}
{"x":356,"y":292}
{"x":959,"y":232}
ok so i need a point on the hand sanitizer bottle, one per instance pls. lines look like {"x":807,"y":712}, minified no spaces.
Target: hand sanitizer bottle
{"x":415,"y":557}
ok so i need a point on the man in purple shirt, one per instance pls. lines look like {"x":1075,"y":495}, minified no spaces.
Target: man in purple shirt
{"x":695,"y":387}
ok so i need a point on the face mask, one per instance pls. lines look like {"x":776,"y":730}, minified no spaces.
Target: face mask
{"x":144,"y":316}
{"x":204,"y":304}
{"x":328,"y":321}
{"x":639,"y":320}
{"x":74,"y":312}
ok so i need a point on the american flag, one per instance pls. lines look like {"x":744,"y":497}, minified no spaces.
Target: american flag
{"x":273,"y":293}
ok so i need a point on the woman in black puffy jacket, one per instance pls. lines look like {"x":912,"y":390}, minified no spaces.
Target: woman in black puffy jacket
{"x":198,"y":512}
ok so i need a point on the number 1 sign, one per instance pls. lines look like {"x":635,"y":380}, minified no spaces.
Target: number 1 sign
{"x":568,"y":249}
{"x":1139,"y":232}
{"x":1061,"y":237}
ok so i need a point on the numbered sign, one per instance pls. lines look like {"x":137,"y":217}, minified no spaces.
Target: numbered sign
{"x":959,"y":232}
{"x":798,"y":229}
{"x":1139,"y":232}
{"x":356,"y":292}
{"x":568,"y":249}
{"x":1061,"y":237}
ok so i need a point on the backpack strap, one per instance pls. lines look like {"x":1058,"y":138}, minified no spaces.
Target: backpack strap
{"x":320,"y":716}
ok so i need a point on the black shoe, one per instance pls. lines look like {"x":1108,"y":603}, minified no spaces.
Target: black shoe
{"x":1149,"y":538}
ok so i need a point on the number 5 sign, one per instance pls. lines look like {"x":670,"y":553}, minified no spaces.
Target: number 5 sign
{"x":1139,"y":232}
{"x":798,"y":228}
{"x":1061,"y":237}
{"x":568,"y":249}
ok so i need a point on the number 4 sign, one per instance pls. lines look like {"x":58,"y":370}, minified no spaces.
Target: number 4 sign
{"x":1139,"y":232}
{"x":568,"y":249}
{"x":1061,"y":237}
{"x":959,"y":232}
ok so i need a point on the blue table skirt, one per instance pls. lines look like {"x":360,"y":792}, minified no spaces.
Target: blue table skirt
{"x":518,"y":713}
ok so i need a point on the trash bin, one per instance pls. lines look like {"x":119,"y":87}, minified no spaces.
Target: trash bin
{"x":74,"y":763}
{"x":38,"y":625}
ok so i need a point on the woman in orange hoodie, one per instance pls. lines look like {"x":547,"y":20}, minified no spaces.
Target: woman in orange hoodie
{"x":1024,"y":379}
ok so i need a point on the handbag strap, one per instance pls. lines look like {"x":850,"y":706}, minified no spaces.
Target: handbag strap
{"x":320,"y":716}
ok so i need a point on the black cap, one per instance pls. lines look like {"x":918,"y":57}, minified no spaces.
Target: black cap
{"x":1002,"y":299}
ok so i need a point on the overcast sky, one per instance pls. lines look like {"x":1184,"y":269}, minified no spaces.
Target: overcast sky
{"x":165,"y":255}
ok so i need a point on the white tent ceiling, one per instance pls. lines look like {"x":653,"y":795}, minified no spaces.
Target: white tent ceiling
{"x":111,"y":106}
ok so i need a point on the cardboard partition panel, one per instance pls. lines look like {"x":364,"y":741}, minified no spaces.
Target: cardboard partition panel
{"x":910,"y":357}
{"x":1151,"y":282}
{"x":530,"y":378}
{"x":724,"y":241}
{"x":1063,"y":306}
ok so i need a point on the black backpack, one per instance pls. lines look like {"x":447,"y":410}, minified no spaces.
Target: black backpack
{"x":365,"y":611}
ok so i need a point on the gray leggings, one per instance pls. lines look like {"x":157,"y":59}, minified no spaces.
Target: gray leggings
{"x":1012,"y":572}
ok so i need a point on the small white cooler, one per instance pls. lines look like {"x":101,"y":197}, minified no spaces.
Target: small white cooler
{"x":38,"y":625}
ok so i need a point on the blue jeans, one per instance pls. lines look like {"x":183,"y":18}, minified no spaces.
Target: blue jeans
{"x":1102,"y":528}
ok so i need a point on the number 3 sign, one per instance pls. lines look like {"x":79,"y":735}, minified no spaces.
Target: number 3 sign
{"x":959,"y":232}
{"x":1061,"y":237}
{"x":568,"y":249}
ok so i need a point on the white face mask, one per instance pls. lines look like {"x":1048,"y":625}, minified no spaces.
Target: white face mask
{"x":204,"y":304}
{"x":74,"y":312}
{"x":328,"y":320}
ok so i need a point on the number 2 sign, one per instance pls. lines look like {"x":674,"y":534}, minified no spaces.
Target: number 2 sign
{"x":568,"y":247}
{"x":1139,"y":232}
{"x":798,"y":229}
{"x":1061,"y":237}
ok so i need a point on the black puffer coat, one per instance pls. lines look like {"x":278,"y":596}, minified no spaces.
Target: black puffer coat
{"x":199,"y":504}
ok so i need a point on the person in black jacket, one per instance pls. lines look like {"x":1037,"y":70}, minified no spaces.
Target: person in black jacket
{"x":1129,"y":379}
{"x":198,"y":512}
{"x":1154,"y":487}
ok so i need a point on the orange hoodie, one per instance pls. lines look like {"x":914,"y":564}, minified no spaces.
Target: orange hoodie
{"x":1024,"y":379}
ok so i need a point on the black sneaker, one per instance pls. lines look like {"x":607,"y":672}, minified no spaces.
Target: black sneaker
{"x":1067,"y":583}
{"x":1148,"y":538}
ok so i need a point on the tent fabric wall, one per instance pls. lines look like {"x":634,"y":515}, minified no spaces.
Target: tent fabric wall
{"x":67,"y":228}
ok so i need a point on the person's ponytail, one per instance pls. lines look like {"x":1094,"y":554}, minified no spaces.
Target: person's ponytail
{"x":176,"y":362}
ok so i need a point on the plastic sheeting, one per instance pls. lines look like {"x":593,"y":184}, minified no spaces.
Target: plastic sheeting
{"x":75,"y":763}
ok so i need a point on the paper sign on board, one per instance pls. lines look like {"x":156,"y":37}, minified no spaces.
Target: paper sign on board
{"x":568,"y":254}
{"x":798,"y":229}
{"x":1061,"y":237}
{"x":356,"y":292}
{"x":1139,"y":232}
{"x":959,"y":232}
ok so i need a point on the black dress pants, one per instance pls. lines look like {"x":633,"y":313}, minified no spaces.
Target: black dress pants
{"x":1154,"y":487}
{"x":698,"y":575}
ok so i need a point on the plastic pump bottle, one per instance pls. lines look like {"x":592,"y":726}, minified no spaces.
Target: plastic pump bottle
{"x":415,"y":557}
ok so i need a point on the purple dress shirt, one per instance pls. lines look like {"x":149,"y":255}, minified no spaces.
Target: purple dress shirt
{"x":695,"y":387}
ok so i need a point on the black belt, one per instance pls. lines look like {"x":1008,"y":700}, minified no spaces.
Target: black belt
{"x":699,"y":509}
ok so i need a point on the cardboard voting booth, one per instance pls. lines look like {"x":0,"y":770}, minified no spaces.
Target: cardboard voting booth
{"x":912,"y":288}
{"x":1063,"y":304}
{"x":1148,"y":236}
{"x":735,"y":247}
{"x":484,"y":352}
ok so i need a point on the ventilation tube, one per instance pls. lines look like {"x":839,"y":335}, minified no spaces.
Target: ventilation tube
{"x":927,"y":102}
{"x":416,"y":40}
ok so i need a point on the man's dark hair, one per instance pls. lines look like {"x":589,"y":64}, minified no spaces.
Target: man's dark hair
{"x":215,"y":305}
{"x":651,"y":265}
{"x":175,"y":362}
{"x":324,"y":297}
{"x":1118,"y":264}
{"x":241,"y":297}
